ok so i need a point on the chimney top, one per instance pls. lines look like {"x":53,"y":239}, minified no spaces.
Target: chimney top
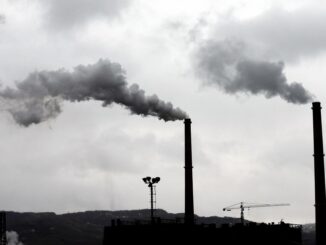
{"x":187,"y":120}
{"x":316,"y":105}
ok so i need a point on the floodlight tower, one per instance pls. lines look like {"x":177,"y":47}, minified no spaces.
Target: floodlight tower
{"x":150,"y":182}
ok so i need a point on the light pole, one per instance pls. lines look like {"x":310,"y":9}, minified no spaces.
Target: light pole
{"x":150,"y":182}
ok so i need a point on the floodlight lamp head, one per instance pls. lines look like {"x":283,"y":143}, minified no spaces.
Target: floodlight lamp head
{"x":156,"y":180}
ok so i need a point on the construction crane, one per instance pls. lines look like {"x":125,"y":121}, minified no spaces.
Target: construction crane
{"x":242,"y":206}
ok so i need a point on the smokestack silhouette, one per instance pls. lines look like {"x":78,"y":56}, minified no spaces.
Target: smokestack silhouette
{"x":3,"y":228}
{"x":189,"y":197}
{"x":37,"y":98}
{"x":320,"y":196}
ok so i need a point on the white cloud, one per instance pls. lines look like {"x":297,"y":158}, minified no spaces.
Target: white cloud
{"x":13,"y":238}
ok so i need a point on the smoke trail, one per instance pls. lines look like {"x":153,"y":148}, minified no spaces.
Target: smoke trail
{"x":13,"y":238}
{"x":37,"y":98}
{"x":225,"y":64}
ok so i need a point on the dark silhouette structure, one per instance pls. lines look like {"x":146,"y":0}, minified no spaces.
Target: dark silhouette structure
{"x":178,"y":233}
{"x":151,"y":184}
{"x":160,"y":231}
{"x":189,"y":196}
{"x":3,"y":225}
{"x":242,"y":206}
{"x":320,"y":196}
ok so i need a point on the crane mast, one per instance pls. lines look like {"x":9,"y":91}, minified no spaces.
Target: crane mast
{"x":242,"y":206}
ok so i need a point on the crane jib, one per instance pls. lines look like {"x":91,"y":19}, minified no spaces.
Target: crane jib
{"x":242,"y":206}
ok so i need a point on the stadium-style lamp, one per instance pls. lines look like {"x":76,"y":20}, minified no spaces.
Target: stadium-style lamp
{"x":150,"y":182}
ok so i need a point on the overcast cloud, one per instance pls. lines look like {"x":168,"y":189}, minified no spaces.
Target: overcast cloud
{"x":2,"y":19}
{"x":278,"y":33}
{"x":62,"y":14}
{"x":92,"y":157}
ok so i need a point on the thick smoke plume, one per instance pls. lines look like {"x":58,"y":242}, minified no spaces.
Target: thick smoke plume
{"x":225,"y":64}
{"x":13,"y":238}
{"x":37,"y":98}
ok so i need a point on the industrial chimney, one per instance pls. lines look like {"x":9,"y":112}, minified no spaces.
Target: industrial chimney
{"x":3,"y":238}
{"x":189,"y":196}
{"x":320,"y":196}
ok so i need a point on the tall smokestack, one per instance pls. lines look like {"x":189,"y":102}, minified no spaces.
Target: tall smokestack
{"x":189,"y":196}
{"x":3,"y":237}
{"x":320,"y":196}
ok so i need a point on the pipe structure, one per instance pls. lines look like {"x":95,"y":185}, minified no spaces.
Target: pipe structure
{"x":189,"y":197}
{"x":320,"y":196}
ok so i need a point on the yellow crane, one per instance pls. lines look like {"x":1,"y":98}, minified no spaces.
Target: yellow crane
{"x":242,"y":206}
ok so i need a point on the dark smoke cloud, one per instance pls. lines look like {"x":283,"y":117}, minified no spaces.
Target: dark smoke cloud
{"x":37,"y":98}
{"x":225,"y":64}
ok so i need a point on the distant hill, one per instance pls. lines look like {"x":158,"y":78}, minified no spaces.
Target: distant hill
{"x":86,"y":228}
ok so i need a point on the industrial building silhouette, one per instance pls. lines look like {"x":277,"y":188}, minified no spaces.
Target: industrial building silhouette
{"x":172,"y":232}
{"x":159,"y":231}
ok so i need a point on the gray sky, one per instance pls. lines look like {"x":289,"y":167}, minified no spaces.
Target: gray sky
{"x":249,"y":143}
